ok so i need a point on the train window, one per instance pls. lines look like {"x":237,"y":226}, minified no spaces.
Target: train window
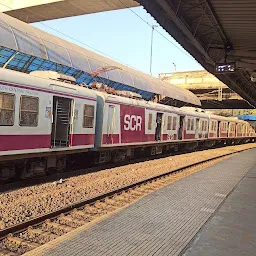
{"x":192,"y":124}
{"x":174,"y":123}
{"x":224,"y":126}
{"x":189,"y":125}
{"x":88,"y":116}
{"x":7,"y":102}
{"x":29,"y":111}
{"x":169,"y":123}
{"x":202,"y":126}
{"x":149,"y":121}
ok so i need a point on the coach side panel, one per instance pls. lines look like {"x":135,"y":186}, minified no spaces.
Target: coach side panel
{"x":26,"y":120}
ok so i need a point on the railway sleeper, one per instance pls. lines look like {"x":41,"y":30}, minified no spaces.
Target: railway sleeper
{"x":95,"y":212}
{"x":69,"y":221}
{"x":80,"y":215}
{"x":100,"y":205}
{"x":5,"y":252}
{"x":19,"y":245}
{"x":38,"y":235}
{"x":126,"y":197}
{"x":119,"y":202}
{"x":56,"y":228}
{"x":92,"y":209}
{"x":113,"y":203}
{"x":145,"y":189}
{"x":134,"y":193}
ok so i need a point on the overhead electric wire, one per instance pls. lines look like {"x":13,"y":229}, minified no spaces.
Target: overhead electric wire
{"x":107,"y":55}
{"x":157,"y":31}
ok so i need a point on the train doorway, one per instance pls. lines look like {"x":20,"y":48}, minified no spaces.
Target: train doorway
{"x":158,"y":133}
{"x":60,"y":136}
{"x":218,"y":129}
{"x":180,"y":132}
{"x":197,"y":128}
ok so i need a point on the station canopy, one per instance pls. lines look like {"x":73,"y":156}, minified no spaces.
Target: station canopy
{"x":25,"y":48}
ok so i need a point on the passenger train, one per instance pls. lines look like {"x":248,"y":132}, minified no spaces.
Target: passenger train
{"x":47,"y":124}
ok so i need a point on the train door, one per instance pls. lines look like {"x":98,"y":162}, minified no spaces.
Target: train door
{"x":218,"y":129}
{"x":180,"y":132}
{"x":197,"y":128}
{"x":159,"y":119}
{"x":61,"y":124}
{"x":111,"y":123}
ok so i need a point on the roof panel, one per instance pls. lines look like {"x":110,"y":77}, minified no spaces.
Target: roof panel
{"x":30,"y":44}
{"x":126,"y":78}
{"x":57,"y":53}
{"x":79,"y":61}
{"x":7,"y":37}
{"x":115,"y":76}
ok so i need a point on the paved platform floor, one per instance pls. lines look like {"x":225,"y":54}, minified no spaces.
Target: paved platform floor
{"x":171,"y":220}
{"x":232,"y":229}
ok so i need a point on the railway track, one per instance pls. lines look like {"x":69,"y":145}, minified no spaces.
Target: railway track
{"x":26,"y":236}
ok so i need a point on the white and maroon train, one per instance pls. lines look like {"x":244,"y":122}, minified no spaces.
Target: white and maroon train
{"x":44,"y":123}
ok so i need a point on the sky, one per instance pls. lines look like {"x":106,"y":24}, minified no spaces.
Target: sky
{"x":123,"y":36}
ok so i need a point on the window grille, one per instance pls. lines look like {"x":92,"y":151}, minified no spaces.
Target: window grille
{"x":189,"y":125}
{"x":149,"y":121}
{"x":88,"y":116}
{"x":169,"y":123}
{"x":29,"y":111}
{"x":192,"y":124}
{"x":7,"y":103}
{"x":174,"y":123}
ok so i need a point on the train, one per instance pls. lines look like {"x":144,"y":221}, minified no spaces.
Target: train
{"x":48,"y":122}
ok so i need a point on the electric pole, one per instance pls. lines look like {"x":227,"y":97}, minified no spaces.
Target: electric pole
{"x":151,"y":53}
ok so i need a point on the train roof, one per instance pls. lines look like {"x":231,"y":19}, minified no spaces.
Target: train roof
{"x":15,"y":77}
{"x":136,"y":102}
{"x":201,"y":112}
{"x":226,"y":118}
{"x":195,"y":111}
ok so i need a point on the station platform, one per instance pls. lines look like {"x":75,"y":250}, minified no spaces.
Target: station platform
{"x":211,"y":212}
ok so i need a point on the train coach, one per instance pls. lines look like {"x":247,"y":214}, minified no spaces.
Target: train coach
{"x":47,"y":121}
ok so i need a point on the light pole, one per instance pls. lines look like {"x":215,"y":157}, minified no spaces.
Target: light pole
{"x":151,"y":53}
{"x":174,"y":66}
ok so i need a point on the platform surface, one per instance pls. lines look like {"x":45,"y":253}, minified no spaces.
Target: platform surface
{"x":171,"y":220}
{"x":232,"y":229}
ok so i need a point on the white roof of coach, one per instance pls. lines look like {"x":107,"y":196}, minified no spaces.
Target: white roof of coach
{"x":15,"y":77}
{"x":142,"y":103}
{"x":195,"y":111}
{"x":225,"y":118}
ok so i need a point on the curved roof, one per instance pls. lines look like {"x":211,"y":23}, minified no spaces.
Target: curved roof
{"x":27,"y":39}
